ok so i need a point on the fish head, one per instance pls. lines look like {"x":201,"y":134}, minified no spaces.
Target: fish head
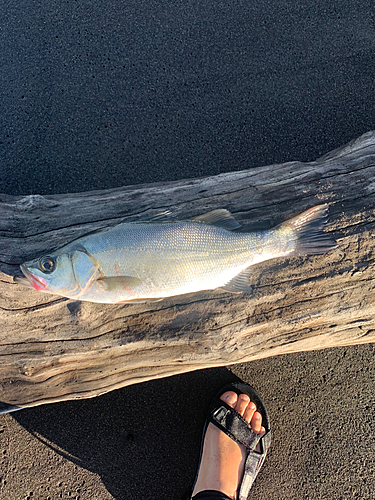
{"x":68,"y":274}
{"x":50,"y":273}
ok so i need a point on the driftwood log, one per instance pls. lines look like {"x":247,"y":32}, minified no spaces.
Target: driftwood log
{"x":54,"y":349}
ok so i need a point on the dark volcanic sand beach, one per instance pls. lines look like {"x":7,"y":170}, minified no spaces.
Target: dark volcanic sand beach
{"x":102,"y":94}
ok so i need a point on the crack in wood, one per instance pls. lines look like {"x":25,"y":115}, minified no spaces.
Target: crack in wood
{"x":35,"y":307}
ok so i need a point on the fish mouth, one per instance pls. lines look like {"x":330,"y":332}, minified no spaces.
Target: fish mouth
{"x":35,"y":281}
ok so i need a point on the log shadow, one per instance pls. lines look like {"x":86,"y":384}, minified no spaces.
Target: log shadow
{"x":143,"y":440}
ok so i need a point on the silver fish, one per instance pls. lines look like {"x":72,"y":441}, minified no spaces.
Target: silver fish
{"x":151,"y":260}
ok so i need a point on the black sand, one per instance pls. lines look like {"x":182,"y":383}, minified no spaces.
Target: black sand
{"x":100,"y":94}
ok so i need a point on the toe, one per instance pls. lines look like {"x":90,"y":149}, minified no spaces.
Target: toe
{"x":242,"y":403}
{"x":249,"y":412}
{"x":230,"y":398}
{"x":256,"y":422}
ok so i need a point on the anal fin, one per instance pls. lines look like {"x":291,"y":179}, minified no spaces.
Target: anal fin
{"x":240,"y":283}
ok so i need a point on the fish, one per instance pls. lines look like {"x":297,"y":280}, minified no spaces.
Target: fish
{"x":147,"y":261}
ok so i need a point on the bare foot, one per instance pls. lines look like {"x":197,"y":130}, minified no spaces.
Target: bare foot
{"x":222,"y":463}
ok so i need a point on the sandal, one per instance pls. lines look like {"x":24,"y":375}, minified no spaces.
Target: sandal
{"x":236,"y":427}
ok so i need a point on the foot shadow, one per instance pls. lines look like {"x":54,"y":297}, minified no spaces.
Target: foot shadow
{"x":143,"y":440}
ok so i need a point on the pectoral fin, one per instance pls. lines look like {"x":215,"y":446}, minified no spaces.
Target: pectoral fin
{"x":119,"y":283}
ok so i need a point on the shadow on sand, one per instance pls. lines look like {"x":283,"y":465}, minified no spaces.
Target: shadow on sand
{"x":142,"y":440}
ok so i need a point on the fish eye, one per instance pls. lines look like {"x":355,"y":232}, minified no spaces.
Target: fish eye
{"x":47,"y":264}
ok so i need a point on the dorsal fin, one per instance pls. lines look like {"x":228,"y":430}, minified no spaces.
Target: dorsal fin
{"x":220,"y":218}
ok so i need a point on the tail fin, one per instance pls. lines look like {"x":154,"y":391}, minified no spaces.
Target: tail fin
{"x":308,"y":230}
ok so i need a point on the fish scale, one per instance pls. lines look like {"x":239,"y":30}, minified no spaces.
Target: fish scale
{"x":177,"y":259}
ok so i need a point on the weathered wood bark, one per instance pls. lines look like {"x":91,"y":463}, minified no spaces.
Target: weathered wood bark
{"x":52,"y":349}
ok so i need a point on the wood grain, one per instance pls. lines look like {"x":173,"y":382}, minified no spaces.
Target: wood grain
{"x":54,"y":349}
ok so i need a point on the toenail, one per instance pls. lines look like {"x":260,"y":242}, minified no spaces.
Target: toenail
{"x":252,"y":405}
{"x":230,"y":398}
